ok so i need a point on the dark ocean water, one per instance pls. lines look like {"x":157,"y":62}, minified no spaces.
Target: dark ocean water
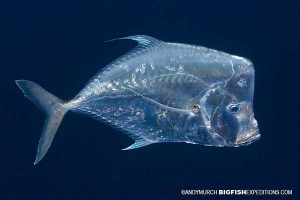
{"x":58,"y":44}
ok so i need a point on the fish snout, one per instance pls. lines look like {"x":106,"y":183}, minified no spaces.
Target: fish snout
{"x":247,"y":138}
{"x":249,"y":135}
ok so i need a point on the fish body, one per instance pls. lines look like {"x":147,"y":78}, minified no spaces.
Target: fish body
{"x":166,"y":92}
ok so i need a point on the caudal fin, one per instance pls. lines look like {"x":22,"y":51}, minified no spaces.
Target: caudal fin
{"x":52,"y":106}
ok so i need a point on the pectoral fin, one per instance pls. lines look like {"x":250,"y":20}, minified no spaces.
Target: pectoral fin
{"x":171,"y":109}
{"x":138,"y":143}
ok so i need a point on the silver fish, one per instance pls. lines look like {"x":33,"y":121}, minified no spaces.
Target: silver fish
{"x":162,"y":92}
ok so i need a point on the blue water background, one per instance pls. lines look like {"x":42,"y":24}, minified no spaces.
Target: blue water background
{"x":58,"y":44}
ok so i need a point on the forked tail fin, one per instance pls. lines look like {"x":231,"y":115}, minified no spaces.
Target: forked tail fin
{"x":52,"y":106}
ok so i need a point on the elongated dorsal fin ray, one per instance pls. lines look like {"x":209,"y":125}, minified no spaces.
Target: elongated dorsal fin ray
{"x":138,"y":144}
{"x":145,"y":44}
{"x":143,"y":40}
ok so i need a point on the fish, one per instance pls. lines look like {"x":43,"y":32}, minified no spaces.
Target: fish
{"x":162,"y":92}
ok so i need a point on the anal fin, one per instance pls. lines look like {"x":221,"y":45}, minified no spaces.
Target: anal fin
{"x":138,"y":144}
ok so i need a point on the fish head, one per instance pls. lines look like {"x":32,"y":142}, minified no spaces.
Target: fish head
{"x":233,"y":117}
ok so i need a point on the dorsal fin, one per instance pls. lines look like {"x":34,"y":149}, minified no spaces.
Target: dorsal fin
{"x":145,"y":43}
{"x":143,"y":40}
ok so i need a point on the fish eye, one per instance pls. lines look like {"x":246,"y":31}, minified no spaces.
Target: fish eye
{"x":234,"y":108}
{"x":195,"y":107}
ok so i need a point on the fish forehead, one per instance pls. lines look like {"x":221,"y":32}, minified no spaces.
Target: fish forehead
{"x":242,"y":83}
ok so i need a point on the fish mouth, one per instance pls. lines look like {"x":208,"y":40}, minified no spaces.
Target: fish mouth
{"x":247,"y":138}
